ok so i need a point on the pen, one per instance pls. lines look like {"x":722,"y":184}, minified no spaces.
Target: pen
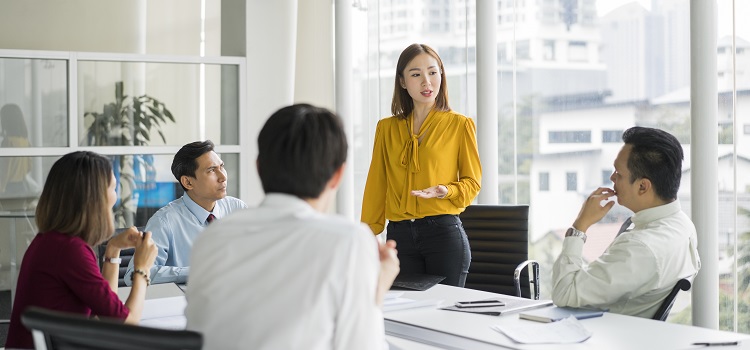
{"x":479,"y":302}
{"x":727,"y":343}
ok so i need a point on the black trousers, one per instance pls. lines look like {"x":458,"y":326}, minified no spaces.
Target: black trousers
{"x":434,"y":245}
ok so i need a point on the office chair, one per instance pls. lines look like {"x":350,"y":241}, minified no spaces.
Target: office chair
{"x":498,"y":236}
{"x":126,"y":255}
{"x":666,"y":305}
{"x":54,"y":330}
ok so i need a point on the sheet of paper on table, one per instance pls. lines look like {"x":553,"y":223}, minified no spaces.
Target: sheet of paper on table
{"x":569,"y":330}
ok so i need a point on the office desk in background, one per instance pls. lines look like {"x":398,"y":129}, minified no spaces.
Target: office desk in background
{"x":459,"y":330}
{"x":13,"y":216}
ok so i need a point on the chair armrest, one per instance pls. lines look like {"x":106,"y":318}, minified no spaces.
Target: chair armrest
{"x":533,"y":277}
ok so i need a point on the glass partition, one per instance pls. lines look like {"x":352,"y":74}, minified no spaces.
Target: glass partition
{"x":33,"y":102}
{"x":153,"y":104}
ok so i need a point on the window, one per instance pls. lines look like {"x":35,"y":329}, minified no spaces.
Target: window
{"x":579,"y":136}
{"x":522,"y":50}
{"x":746,"y":129}
{"x":544,"y":181}
{"x":606,"y":181}
{"x":549,"y":50}
{"x":571,"y":181}
{"x":577,"y":51}
{"x":38,"y":100}
{"x":611,"y":136}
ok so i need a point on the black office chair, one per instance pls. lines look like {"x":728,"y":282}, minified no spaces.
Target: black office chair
{"x":54,"y":330}
{"x":126,"y":255}
{"x":498,"y":236}
{"x":666,"y":305}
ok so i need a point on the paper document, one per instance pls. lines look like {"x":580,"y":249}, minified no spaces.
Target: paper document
{"x":170,"y":322}
{"x":404,"y":303}
{"x":566,"y":331}
{"x":167,"y":313}
{"x":392,"y":295}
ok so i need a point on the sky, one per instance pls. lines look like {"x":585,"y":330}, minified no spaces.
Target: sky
{"x":724,"y":13}
{"x":604,"y":6}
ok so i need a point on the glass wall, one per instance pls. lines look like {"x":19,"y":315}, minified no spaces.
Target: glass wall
{"x":138,"y":112}
{"x":571,"y":79}
{"x":733,"y":73}
{"x":173,"y":109}
{"x":382,"y":30}
{"x":34,"y":102}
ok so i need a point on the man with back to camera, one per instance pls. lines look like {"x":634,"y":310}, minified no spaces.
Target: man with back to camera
{"x":200,"y":172}
{"x":286,"y":275}
{"x":642,"y":265}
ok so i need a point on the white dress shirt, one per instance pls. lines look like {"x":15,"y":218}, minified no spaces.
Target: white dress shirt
{"x":637,"y":271}
{"x":284,"y":276}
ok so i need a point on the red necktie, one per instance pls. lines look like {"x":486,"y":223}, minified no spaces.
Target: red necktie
{"x":210,"y":218}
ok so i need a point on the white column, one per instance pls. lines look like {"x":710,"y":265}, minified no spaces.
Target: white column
{"x":271,"y":42}
{"x":343,"y":89}
{"x":487,"y":131}
{"x":704,"y":159}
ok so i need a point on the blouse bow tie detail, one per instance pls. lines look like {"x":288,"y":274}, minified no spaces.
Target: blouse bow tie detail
{"x":410,"y":154}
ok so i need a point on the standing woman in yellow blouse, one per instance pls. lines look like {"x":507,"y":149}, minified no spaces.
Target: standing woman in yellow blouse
{"x":425,"y":170}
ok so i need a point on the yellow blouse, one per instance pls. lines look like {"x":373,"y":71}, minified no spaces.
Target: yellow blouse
{"x":14,"y":169}
{"x":446,"y":155}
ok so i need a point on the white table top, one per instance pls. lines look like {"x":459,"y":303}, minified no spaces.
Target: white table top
{"x":611,"y":331}
{"x":168,"y":290}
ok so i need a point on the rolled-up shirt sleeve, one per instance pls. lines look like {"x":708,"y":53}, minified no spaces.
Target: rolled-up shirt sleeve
{"x":625,"y":268}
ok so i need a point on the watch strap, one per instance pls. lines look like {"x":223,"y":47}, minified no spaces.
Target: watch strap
{"x":574,"y":232}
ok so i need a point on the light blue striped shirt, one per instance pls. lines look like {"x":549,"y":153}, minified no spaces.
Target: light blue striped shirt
{"x":174,"y":228}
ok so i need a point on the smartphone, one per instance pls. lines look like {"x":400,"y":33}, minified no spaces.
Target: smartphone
{"x":479,"y":303}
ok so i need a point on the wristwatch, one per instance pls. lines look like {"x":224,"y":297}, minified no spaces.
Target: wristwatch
{"x":574,"y":232}
{"x":113,"y":260}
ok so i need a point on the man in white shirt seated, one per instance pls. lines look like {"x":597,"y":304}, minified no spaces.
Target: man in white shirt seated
{"x":642,"y":265}
{"x":287,"y":275}
{"x":200,"y":172}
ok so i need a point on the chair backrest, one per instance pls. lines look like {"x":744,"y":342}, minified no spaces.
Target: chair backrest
{"x":54,"y":330}
{"x":126,"y":255}
{"x":498,"y":236}
{"x":666,"y":305}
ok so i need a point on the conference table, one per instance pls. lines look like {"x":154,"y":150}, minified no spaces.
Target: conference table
{"x":427,"y":328}
{"x":459,"y":330}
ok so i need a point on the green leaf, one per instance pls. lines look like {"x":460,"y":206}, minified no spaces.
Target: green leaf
{"x":169,"y":115}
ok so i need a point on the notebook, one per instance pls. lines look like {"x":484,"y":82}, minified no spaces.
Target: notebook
{"x":512,"y":304}
{"x":415,"y":281}
{"x":554,"y":314}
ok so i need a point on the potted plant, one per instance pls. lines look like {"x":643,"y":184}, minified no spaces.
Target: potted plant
{"x":128,"y":121}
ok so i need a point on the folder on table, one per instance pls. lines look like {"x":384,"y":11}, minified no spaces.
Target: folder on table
{"x":512,"y":304}
{"x":415,"y":281}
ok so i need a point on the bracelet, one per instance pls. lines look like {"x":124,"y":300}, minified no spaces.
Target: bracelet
{"x":143,"y":273}
{"x":113,"y":260}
